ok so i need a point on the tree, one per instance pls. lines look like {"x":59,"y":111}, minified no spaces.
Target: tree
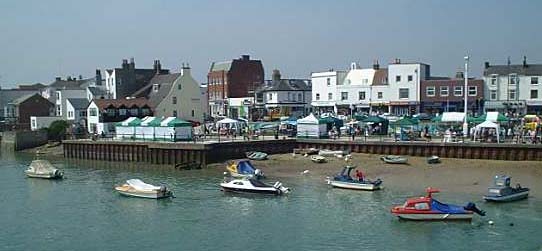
{"x":57,"y":130}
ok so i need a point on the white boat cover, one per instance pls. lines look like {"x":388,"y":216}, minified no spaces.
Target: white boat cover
{"x":453,"y":117}
{"x":41,"y":166}
{"x":140,"y":185}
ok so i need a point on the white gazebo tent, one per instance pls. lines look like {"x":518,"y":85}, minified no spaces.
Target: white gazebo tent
{"x":453,"y":117}
{"x":311,"y":127}
{"x":145,"y":130}
{"x":173,"y":129}
{"x":126,"y":128}
{"x":228,"y":123}
{"x":486,"y":124}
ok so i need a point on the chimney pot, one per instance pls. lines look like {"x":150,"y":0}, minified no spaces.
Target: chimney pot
{"x":276,"y":75}
{"x":486,"y":64}
{"x":524,"y":61}
{"x":245,"y":57}
{"x":58,"y":78}
{"x":376,"y":66}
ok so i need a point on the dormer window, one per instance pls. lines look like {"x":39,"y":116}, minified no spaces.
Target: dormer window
{"x":155,"y":87}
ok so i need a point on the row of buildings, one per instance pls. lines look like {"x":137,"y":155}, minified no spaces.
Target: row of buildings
{"x":238,"y":88}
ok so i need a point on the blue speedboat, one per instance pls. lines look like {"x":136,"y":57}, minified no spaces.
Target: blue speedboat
{"x":501,"y":191}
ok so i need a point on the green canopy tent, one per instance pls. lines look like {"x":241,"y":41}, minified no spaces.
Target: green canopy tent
{"x":377,"y":121}
{"x":173,"y":129}
{"x":490,"y":116}
{"x":126,"y":129}
{"x":405,"y":124}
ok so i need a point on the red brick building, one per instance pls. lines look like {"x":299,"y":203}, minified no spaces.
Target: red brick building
{"x":236,"y":78}
{"x":21,"y":109}
{"x":446,"y":95}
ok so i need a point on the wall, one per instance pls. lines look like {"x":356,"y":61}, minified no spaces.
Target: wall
{"x":42,"y":122}
{"x":188,"y":99}
{"x":319,"y":86}
{"x":20,"y":140}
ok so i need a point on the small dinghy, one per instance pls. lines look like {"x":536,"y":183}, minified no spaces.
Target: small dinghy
{"x":318,"y":159}
{"x":254,"y":186}
{"x":344,"y":180}
{"x":427,"y":208}
{"x":43,"y":169}
{"x":256,"y":155}
{"x":138,"y":188}
{"x":394,"y":159}
{"x":331,"y":153}
{"x":243,"y":169}
{"x":433,"y":159}
{"x":501,"y":191}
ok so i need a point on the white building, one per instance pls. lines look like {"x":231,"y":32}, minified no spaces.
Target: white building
{"x":324,"y":90}
{"x":62,"y":95}
{"x":404,"y":86}
{"x":513,"y":88}
{"x":76,"y":111}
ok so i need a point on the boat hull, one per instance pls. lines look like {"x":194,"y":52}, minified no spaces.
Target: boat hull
{"x":272,"y":191}
{"x":44,"y":175}
{"x":394,"y":160}
{"x":508,"y":198}
{"x":354,"y":186}
{"x":143,"y":194}
{"x":433,"y":216}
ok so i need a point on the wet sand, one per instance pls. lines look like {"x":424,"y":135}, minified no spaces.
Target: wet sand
{"x":456,"y":175}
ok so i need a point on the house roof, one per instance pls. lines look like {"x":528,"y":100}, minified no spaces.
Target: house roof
{"x":36,"y":86}
{"x":287,"y":85}
{"x":22,"y":98}
{"x":380,"y":77}
{"x":164,"y":80}
{"x":221,"y":66}
{"x":96,"y":91}
{"x":529,"y":70}
{"x":102,"y":104}
{"x":78,"y":103}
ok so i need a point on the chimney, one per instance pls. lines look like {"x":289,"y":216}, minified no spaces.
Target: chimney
{"x":353,"y":66}
{"x":376,"y":66}
{"x":69,"y":78}
{"x":124,"y":64}
{"x":185,"y":69}
{"x":80,"y":77}
{"x":132,"y":63}
{"x":397,"y":61}
{"x":245,"y":57}
{"x":276,"y":75}
{"x":98,"y":77}
{"x":525,"y":62}
{"x":58,"y":78}
{"x":157,"y":66}
{"x":486,"y":65}
{"x":459,"y":75}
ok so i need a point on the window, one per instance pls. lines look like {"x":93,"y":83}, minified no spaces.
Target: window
{"x":259,"y":97}
{"x":534,"y":80}
{"x":403,"y":93}
{"x":328,"y":81}
{"x":493,"y":94}
{"x":458,"y":91}
{"x":330,"y":96}
{"x":421,"y":206}
{"x":473,"y":91}
{"x":493,"y":80}
{"x":146,"y":111}
{"x":193,"y":113}
{"x":155,"y":87}
{"x":409,"y":78}
{"x":512,"y":94}
{"x":122,"y":112}
{"x":444,"y":91}
{"x":58,"y":111}
{"x":534,"y":94}
{"x":398,"y":78}
{"x":379,"y":95}
{"x":270,"y":96}
{"x":317,"y":96}
{"x":133,"y":111}
{"x":57,"y":95}
{"x":110,"y":112}
{"x":179,"y":87}
{"x":344,"y":95}
{"x":174,"y":113}
{"x":513,"y":79}
{"x":93,"y":112}
{"x":289,"y":96}
{"x":83,"y":113}
{"x":430,"y":91}
{"x":365,"y":81}
{"x":174,"y":100}
{"x":361,"y":95}
{"x":299,"y":97}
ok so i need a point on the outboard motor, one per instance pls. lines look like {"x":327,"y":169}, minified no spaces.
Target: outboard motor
{"x":472,"y":207}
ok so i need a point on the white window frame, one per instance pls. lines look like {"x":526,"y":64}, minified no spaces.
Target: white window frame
{"x":343,"y":96}
{"x":494,"y":80}
{"x":429,"y":89}
{"x":397,"y":78}
{"x":458,"y":89}
{"x":537,"y":80}
{"x":491,"y":92}
{"x":407,"y":92}
{"x":317,"y":97}
{"x":513,"y":77}
{"x":379,"y":95}
{"x":510,"y":96}
{"x":330,"y":96}
{"x":445,"y":90}
{"x":362,"y":93}
{"x":472,"y":88}
{"x":531,"y":94}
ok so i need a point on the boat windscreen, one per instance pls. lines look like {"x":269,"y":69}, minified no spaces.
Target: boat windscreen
{"x":258,"y":183}
{"x":245,"y":167}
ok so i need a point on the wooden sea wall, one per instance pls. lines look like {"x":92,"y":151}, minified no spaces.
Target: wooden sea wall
{"x":163,"y":153}
{"x":517,"y":152}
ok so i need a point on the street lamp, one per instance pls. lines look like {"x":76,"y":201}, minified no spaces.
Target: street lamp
{"x":465,"y":125}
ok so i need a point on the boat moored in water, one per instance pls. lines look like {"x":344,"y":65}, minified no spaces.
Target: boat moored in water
{"x":254,"y":186}
{"x":43,"y":169}
{"x":426,"y":208}
{"x":344,"y":180}
{"x":138,"y":188}
{"x":501,"y":191}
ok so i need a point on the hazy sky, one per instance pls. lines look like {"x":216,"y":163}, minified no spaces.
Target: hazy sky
{"x":43,"y":39}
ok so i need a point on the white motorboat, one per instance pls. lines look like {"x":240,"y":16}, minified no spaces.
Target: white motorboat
{"x":43,"y":169}
{"x":394,"y":159}
{"x":343,"y":180}
{"x":331,"y":153}
{"x":251,"y":185}
{"x":138,"y":188}
{"x":318,"y":159}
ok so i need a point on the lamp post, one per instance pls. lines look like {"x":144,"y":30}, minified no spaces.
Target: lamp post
{"x":465,"y":125}
{"x":370,"y":99}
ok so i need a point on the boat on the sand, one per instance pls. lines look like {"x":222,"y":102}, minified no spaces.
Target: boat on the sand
{"x":394,"y":159}
{"x":318,"y":159}
{"x":426,"y":208}
{"x":256,"y":155}
{"x":433,"y":159}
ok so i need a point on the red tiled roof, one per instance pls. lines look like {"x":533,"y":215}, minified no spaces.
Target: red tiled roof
{"x":117,"y":103}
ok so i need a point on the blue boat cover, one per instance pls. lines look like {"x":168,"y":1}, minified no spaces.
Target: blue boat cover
{"x":446,"y":208}
{"x":245,"y":167}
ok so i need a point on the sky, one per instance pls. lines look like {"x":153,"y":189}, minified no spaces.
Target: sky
{"x":40,"y":40}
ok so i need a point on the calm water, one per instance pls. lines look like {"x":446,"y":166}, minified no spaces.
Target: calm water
{"x":83,"y":213}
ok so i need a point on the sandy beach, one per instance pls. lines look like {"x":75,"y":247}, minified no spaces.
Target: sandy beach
{"x":457,"y":175}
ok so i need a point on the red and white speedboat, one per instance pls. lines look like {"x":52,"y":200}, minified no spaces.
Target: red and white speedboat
{"x":427,"y":208}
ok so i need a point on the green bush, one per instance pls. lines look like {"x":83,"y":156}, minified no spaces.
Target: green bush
{"x":57,"y":130}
